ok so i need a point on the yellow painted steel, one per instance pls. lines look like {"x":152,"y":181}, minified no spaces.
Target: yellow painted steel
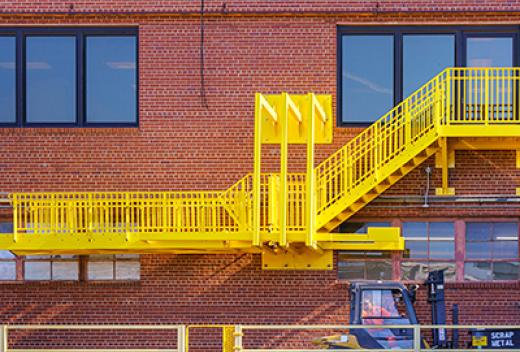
{"x":460,"y":108}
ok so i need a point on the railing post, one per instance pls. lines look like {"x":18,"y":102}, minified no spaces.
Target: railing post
{"x":4,"y":342}
{"x":417,"y":338}
{"x":407,"y":123}
{"x":15,"y":218}
{"x":182,"y":341}
{"x":311,"y":195}
{"x":486,"y":96}
{"x":238,"y":338}
{"x":284,"y":149}
{"x":257,"y":171}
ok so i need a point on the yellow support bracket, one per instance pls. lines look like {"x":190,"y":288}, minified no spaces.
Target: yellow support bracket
{"x":299,"y":258}
{"x":299,"y":106}
{"x":443,"y":159}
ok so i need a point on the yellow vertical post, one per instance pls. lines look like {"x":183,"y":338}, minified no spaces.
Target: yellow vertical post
{"x":15,"y":218}
{"x":284,"y":150}
{"x":127,"y":215}
{"x":311,"y":197}
{"x":257,"y":170}
{"x":449,"y":108}
{"x":486,"y":96}
{"x":4,"y":339}
{"x":407,"y":140}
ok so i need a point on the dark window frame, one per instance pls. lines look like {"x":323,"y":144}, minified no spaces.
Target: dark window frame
{"x":461,"y":33}
{"x":20,"y":34}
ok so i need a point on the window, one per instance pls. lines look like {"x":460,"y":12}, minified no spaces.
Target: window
{"x":429,"y":246}
{"x":111,"y":79}
{"x":369,"y":265}
{"x":114,"y":267}
{"x":466,"y":250}
{"x":378,"y":67}
{"x":51,"y":267}
{"x":424,"y":56}
{"x":367,"y":76}
{"x":491,"y":251}
{"x":68,"y":77}
{"x":50,"y":85}
{"x":7,"y":79}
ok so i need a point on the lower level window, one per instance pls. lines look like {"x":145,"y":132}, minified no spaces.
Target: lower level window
{"x":51,"y":267}
{"x":364,"y":265}
{"x":114,"y":267}
{"x":464,"y":250}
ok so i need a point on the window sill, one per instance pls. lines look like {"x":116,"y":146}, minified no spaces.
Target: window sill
{"x":74,"y":130}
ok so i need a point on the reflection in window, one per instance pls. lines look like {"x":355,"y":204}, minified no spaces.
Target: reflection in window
{"x":7,"y":80}
{"x":7,"y":266}
{"x":485,"y":240}
{"x":487,"y":271}
{"x":489,"y":52}
{"x":367,"y":77}
{"x":353,"y":265}
{"x":495,"y":245}
{"x":111,"y":79}
{"x":429,"y":240}
{"x":51,"y":267}
{"x":114,"y":267}
{"x":424,"y":56}
{"x":51,"y":79}
{"x":418,"y":271}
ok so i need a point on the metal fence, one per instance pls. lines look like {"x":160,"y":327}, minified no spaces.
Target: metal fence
{"x":232,"y":338}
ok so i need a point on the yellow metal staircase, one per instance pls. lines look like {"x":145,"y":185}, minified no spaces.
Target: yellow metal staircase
{"x":285,"y":213}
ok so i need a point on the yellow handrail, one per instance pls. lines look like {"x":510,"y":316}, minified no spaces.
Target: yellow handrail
{"x":479,"y":102}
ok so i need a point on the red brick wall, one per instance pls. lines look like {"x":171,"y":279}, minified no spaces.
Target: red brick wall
{"x":180,"y":144}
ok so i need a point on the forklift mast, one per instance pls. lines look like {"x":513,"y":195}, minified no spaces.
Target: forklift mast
{"x":435,"y":283}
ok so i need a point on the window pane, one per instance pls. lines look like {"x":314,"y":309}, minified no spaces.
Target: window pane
{"x":489,"y":52}
{"x":111,"y":79}
{"x":448,"y":268}
{"x":478,"y":250}
{"x":416,"y":249}
{"x":6,"y":255}
{"x":419,"y":271}
{"x":51,"y":79}
{"x":477,"y":271}
{"x":101,"y":270}
{"x":505,"y":271}
{"x":505,"y":231}
{"x":7,"y":80}
{"x":478,"y":231}
{"x":127,"y":270}
{"x":414,"y":271}
{"x":381,"y":270}
{"x":8,"y":270}
{"x":415,"y":230}
{"x":424,"y":56}
{"x":442,"y":229}
{"x":65,"y":270}
{"x":367,"y":77}
{"x":37,"y":270}
{"x":442,"y":250}
{"x":351,"y":270}
{"x":505,"y":249}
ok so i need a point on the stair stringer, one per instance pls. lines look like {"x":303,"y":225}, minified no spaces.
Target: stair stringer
{"x":349,"y":204}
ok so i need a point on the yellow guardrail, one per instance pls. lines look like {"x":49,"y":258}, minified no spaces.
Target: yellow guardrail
{"x":232,"y":338}
{"x":279,"y":208}
{"x":7,"y":340}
